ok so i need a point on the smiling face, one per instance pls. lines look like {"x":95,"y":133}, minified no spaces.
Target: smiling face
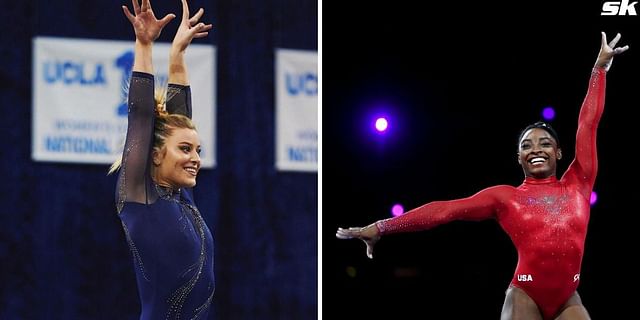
{"x":177,"y":162}
{"x":538,"y":153}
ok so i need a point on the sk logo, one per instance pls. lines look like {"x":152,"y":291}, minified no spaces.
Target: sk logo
{"x":621,"y":8}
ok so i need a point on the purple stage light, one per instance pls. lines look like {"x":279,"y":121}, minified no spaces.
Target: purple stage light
{"x":381,"y":124}
{"x":594,"y":198}
{"x":548,"y":113}
{"x":397,"y":210}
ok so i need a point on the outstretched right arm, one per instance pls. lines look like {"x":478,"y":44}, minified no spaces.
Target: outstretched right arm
{"x":134,"y":172}
{"x":480,"y":206}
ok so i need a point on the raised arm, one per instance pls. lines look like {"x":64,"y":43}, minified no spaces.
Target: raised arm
{"x":134,"y":173}
{"x":147,"y":29}
{"x":585,"y":164}
{"x":480,"y":206}
{"x":179,"y":92}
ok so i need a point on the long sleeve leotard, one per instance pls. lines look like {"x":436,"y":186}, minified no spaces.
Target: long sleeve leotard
{"x":172,"y":246}
{"x":545,"y":218}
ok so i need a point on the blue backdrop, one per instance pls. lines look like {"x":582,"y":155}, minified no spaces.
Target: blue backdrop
{"x":63,"y":254}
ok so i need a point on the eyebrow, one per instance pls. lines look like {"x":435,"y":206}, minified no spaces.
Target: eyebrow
{"x":529,"y":140}
{"x":189,"y":143}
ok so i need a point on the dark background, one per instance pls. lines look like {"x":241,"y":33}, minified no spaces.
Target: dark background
{"x":460,"y":80}
{"x":63,"y":254}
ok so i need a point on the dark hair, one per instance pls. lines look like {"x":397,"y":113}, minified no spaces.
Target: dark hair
{"x":540,"y":125}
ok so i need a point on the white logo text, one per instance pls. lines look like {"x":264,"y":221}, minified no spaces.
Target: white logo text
{"x":525,"y":277}
{"x":621,"y":8}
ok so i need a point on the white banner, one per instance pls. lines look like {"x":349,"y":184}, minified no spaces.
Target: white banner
{"x":296,"y":110}
{"x":80,"y":106}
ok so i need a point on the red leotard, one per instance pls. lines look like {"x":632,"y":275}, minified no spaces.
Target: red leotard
{"x":545,"y":218}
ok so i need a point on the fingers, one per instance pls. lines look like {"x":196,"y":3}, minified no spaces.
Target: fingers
{"x":136,"y":6}
{"x":604,"y":39}
{"x":146,"y":5}
{"x":613,"y":44}
{"x":200,"y":30}
{"x":185,"y":11}
{"x":128,"y":14}
{"x":343,"y":234}
{"x":615,"y":40}
{"x":163,"y":22}
{"x":196,"y":17}
{"x":356,"y":233}
{"x":348,"y":233}
{"x":620,"y":50}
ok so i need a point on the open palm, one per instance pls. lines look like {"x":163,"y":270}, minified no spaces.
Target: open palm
{"x":145,"y":24}
{"x":608,"y":51}
{"x":190,"y":28}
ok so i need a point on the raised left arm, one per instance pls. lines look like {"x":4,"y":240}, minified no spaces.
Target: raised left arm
{"x":585,"y":164}
{"x":179,"y":92}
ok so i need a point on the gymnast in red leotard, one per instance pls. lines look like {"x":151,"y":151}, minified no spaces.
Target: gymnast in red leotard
{"x":546,"y":218}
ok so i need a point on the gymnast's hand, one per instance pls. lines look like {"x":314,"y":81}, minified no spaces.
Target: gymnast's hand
{"x":607,"y":51}
{"x":189,"y":28}
{"x":369,"y":234}
{"x":145,"y":24}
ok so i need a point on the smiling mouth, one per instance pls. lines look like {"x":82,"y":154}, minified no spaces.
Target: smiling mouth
{"x":192,"y":171}
{"x":537,"y":160}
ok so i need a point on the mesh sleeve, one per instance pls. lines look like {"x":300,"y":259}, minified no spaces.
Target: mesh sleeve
{"x":134,"y":177}
{"x":179,"y":99}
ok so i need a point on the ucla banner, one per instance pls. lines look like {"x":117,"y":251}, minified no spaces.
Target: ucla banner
{"x":80,"y":102}
{"x":296,"y":110}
